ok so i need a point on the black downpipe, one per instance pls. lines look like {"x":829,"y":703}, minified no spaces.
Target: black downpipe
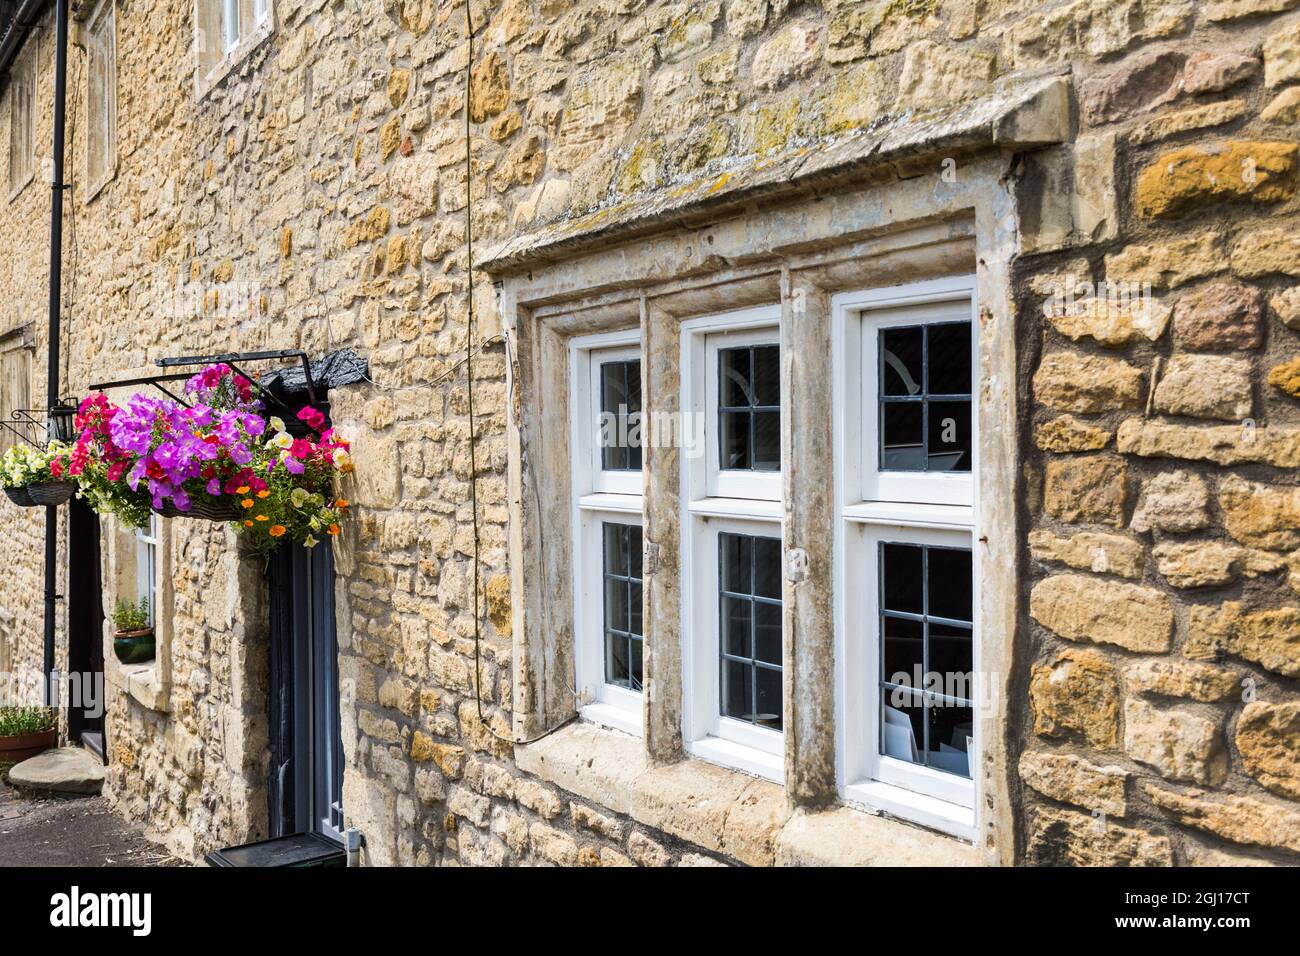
{"x":56,"y":298}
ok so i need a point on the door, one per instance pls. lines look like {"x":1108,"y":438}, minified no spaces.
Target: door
{"x":306,"y":782}
{"x":85,"y":696}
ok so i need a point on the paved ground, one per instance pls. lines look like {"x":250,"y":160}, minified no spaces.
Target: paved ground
{"x":70,"y":831}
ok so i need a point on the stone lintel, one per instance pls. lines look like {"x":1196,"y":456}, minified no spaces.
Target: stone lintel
{"x":1024,"y":113}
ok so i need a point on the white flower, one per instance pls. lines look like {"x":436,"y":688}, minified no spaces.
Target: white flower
{"x":282,"y":440}
{"x":277,"y":424}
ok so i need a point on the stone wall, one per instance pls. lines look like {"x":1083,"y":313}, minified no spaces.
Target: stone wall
{"x":316,"y":198}
{"x":1162,"y":610}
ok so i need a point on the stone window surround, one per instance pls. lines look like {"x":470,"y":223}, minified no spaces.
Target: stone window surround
{"x":26,"y":62}
{"x":211,"y":65}
{"x":105,"y":10}
{"x":148,"y":683}
{"x":600,"y":496}
{"x":879,"y":235}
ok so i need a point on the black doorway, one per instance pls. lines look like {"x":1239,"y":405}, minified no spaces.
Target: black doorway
{"x":306,"y":777}
{"x":85,"y":630}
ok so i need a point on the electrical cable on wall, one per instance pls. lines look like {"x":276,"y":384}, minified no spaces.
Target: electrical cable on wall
{"x":469,"y":401}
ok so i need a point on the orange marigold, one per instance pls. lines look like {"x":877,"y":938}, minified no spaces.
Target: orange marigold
{"x":277,"y":530}
{"x":263,"y":493}
{"x":242,"y":490}
{"x":333,"y":529}
{"x":248,"y":524}
{"x":263,"y":518}
{"x":247,"y":503}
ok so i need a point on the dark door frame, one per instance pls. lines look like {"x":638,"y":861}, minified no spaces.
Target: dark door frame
{"x":86,"y":623}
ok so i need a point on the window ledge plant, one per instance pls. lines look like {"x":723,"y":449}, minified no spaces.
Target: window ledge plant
{"x":133,"y":638}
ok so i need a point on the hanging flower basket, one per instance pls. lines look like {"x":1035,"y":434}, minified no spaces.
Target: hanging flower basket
{"x":20,"y":496}
{"x":37,"y":476}
{"x":219,"y":459}
{"x":203,"y":508}
{"x":51,"y":492}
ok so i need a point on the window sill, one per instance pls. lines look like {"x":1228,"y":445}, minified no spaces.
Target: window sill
{"x":143,"y":683}
{"x":16,"y":191}
{"x":613,"y":717}
{"x":735,"y":756}
{"x":926,"y":811}
{"x":725,"y":811}
{"x":206,"y":83}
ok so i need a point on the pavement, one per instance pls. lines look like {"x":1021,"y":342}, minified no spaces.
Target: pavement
{"x":70,"y":830}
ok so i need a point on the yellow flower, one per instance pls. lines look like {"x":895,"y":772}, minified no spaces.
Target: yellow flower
{"x":263,"y":518}
{"x":247,"y":503}
{"x":277,"y":530}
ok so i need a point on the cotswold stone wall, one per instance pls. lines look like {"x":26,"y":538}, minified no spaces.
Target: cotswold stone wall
{"x":316,"y":197}
{"x":24,"y":278}
{"x":1164,"y":725}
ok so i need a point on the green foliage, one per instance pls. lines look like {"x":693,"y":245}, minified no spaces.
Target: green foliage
{"x":131,"y":617}
{"x":17,"y":721}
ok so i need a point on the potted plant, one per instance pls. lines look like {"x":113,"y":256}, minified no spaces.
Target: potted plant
{"x":220,"y":458}
{"x":26,"y":732}
{"x":37,"y":476}
{"x":133,"y":641}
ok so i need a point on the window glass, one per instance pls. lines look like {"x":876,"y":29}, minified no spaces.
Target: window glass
{"x":925,"y":398}
{"x":926,"y":653}
{"x":750,"y":644}
{"x":620,"y":412}
{"x":749,"y":408}
{"x":623,"y":626}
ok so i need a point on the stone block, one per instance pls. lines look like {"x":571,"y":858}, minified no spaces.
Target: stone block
{"x":1067,"y":838}
{"x":1241,"y":819}
{"x":1269,"y":637}
{"x":1072,"y":779}
{"x":1259,"y":515}
{"x":1089,"y":551}
{"x":1220,"y":317}
{"x":1084,"y":608}
{"x":1075,"y":382}
{"x":1178,"y":743}
{"x":1205,"y":386}
{"x":1268,"y":739}
{"x":1194,"y":177}
{"x":1175,"y":501}
{"x":1076,"y":695}
{"x":1065,"y":433}
{"x":1086,"y":489}
{"x":1176,"y":678}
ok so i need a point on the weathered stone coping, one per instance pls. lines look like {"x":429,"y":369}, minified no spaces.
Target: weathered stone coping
{"x":725,"y":811}
{"x":1023,"y":113}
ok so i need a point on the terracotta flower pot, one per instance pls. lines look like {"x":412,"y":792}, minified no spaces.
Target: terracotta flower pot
{"x":134,"y":647}
{"x":19,"y":748}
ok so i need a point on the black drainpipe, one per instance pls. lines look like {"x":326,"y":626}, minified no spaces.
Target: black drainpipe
{"x":56,"y":297}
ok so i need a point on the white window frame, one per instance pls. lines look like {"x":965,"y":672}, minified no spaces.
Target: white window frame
{"x":702,"y":339}
{"x":22,"y":92}
{"x":928,"y":509}
{"x":604,"y":481}
{"x":101,"y":40}
{"x":599,"y":496}
{"x":707,"y":734}
{"x":716,"y":501}
{"x":146,"y":565}
{"x":229,"y":25}
{"x":921,"y":303}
